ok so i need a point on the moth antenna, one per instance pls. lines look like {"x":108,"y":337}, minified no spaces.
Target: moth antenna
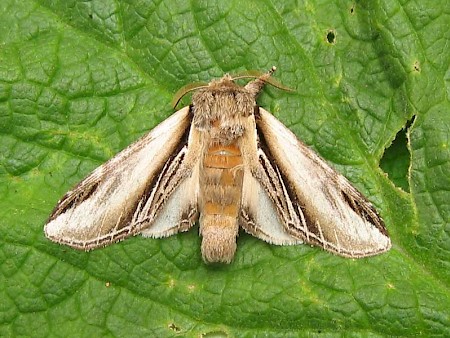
{"x":186,"y":89}
{"x":256,"y":85}
{"x":254,"y":74}
{"x":272,"y":70}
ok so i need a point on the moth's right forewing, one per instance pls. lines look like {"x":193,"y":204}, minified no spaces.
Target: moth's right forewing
{"x":314,"y":202}
{"x":103,"y":207}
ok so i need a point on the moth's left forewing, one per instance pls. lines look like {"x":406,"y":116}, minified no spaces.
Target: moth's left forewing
{"x":314,"y":202}
{"x":128,"y":194}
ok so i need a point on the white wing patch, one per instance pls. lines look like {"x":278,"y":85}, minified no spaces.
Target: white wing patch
{"x":259,"y":216}
{"x":179,"y":213}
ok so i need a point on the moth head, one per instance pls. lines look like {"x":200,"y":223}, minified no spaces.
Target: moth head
{"x":227,"y":84}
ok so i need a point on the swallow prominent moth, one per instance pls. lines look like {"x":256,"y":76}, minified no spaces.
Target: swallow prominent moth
{"x":227,"y":163}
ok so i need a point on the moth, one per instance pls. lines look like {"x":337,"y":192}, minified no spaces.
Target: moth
{"x":227,"y":163}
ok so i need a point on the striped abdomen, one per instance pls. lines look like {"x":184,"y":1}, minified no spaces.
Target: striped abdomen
{"x":221,"y":178}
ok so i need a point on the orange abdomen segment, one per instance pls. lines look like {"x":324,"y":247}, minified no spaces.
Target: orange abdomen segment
{"x":222,"y":157}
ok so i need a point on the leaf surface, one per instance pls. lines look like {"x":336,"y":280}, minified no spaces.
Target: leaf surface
{"x":79,"y":81}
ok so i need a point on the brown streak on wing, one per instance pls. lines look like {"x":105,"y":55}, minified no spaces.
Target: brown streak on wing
{"x":70,"y":199}
{"x":365,"y":211}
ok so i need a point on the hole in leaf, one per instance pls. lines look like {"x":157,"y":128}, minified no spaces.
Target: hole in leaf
{"x":396,"y":159}
{"x":416,"y":66}
{"x":352,"y":9}
{"x":331,"y":37}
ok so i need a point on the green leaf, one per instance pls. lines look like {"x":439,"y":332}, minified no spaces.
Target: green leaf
{"x":81,"y":80}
